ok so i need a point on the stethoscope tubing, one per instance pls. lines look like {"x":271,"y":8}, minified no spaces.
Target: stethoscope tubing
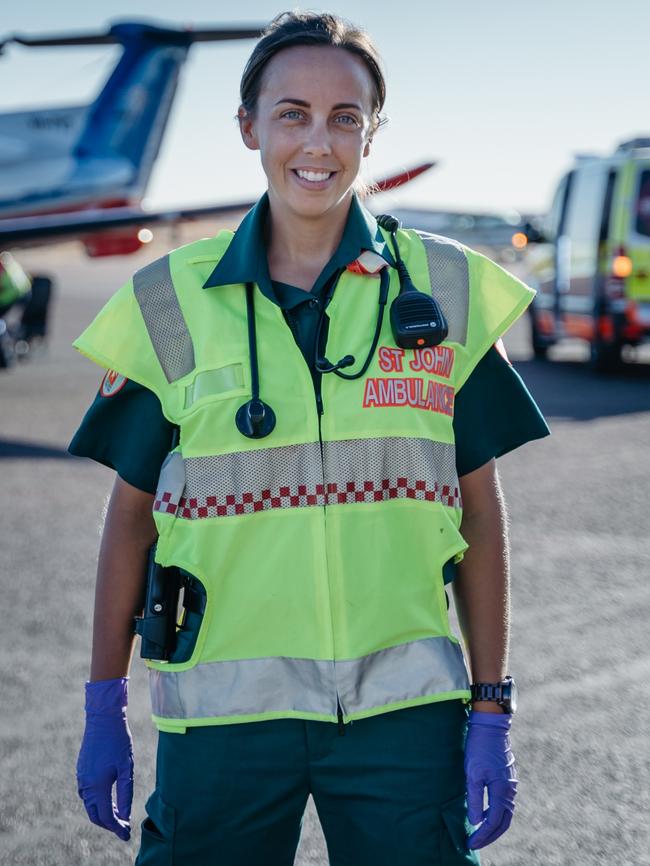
{"x":255,"y":418}
{"x":321,"y":363}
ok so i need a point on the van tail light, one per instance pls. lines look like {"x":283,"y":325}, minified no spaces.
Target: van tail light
{"x":605,"y":328}
{"x":621,"y":263}
{"x":619,"y":270}
{"x":633,"y":328}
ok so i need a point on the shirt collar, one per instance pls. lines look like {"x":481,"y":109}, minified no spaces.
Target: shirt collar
{"x":245,"y":258}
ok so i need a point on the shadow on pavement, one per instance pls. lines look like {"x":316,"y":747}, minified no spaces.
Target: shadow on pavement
{"x":15,"y":448}
{"x":565,"y":389}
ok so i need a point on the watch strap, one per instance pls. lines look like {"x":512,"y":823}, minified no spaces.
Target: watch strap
{"x":487,"y":691}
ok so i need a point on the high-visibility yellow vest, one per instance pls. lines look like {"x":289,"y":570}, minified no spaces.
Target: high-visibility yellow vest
{"x":321,"y":546}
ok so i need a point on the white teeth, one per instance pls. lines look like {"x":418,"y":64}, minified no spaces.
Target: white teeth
{"x":313,"y":175}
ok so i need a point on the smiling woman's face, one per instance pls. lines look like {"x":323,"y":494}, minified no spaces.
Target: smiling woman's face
{"x":312,"y":125}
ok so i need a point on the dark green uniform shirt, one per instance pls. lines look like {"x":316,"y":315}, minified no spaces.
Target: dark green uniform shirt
{"x":494,"y":412}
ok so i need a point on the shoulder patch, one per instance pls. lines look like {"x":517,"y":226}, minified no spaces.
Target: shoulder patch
{"x":112,"y":383}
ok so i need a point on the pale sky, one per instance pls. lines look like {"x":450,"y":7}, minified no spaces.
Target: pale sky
{"x":502,"y":93}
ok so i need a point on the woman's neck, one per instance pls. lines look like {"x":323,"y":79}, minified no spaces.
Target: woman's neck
{"x":302,"y":246}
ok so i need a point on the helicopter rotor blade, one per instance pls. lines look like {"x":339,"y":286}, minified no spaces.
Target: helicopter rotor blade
{"x":395,"y":180}
{"x":121,"y":31}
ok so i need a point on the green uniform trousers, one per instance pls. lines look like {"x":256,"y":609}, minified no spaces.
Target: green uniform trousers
{"x":389,"y":791}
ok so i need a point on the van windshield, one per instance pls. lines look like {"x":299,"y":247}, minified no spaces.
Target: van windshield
{"x":643,"y":204}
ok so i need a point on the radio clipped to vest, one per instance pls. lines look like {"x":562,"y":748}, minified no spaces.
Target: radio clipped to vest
{"x":157,"y":625}
{"x":415,"y":317}
{"x":166,"y":636}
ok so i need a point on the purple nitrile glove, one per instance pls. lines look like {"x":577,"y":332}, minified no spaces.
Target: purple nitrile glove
{"x":489,"y":763}
{"x":106,"y":757}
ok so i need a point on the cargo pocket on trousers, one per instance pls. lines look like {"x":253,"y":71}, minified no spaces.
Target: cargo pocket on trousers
{"x":157,"y":839}
{"x":454,"y":833}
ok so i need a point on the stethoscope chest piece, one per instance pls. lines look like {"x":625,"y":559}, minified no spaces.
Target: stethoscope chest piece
{"x":255,"y":419}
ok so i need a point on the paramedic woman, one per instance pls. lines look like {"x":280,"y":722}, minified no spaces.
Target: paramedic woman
{"x":323,"y":662}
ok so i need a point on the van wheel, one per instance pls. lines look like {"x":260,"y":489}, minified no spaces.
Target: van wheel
{"x":605,"y":357}
{"x":537,"y":342}
{"x":540,"y":351}
{"x":6,"y":355}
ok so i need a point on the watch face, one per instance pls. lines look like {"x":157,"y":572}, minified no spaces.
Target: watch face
{"x":510,"y":695}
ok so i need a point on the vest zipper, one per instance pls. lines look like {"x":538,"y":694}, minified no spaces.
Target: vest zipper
{"x":320,"y":408}
{"x":339,"y":713}
{"x":319,"y":404}
{"x":294,"y":330}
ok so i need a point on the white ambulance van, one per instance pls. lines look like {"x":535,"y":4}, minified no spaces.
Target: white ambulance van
{"x":592,"y":269}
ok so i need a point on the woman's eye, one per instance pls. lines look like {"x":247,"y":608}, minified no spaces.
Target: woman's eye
{"x":347,"y":120}
{"x":292,"y":114}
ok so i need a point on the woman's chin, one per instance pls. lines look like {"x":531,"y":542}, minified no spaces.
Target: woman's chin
{"x":311,"y":205}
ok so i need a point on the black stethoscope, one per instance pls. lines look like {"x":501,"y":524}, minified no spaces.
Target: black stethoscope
{"x":416,"y":320}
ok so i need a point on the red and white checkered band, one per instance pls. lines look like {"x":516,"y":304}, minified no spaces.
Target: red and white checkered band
{"x":355,"y":471}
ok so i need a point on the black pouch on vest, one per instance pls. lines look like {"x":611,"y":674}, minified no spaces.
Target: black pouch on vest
{"x":157,"y":625}
{"x":169,"y":624}
{"x":192,"y":608}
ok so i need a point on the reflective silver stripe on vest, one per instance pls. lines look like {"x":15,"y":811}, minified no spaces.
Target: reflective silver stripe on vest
{"x":247,"y":481}
{"x":393,"y":467}
{"x":162,"y":314}
{"x":449,"y":277}
{"x":278,"y":684}
{"x":171,"y":484}
{"x":238,"y":688}
{"x":356,"y":471}
{"x":399,"y":673}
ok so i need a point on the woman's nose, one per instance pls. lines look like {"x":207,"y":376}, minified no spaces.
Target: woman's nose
{"x":317,"y":141}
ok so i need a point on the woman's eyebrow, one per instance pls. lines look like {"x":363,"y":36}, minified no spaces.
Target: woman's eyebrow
{"x":305,"y":104}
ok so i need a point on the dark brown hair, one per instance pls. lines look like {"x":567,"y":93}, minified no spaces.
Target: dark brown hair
{"x":289,"y":29}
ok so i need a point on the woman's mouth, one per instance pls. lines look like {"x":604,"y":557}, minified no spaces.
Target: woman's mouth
{"x":311,"y":179}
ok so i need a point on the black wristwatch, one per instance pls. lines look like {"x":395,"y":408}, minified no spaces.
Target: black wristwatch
{"x":504,"y":693}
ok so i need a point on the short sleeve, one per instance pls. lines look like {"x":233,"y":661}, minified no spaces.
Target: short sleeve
{"x":118,"y":339}
{"x":494,"y":414}
{"x":128,"y":432}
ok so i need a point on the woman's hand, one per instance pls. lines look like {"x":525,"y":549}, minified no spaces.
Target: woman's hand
{"x":489,"y":763}
{"x":106,"y":757}
{"x":106,"y":754}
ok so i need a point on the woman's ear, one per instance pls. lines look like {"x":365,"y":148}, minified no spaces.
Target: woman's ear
{"x":247,"y":128}
{"x":366,"y":148}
